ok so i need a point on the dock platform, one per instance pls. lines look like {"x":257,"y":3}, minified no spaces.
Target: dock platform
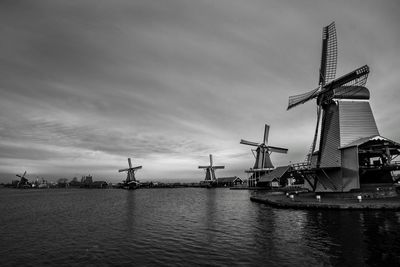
{"x":310,"y":201}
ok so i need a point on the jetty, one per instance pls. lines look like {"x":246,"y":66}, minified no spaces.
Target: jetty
{"x":379,"y":198}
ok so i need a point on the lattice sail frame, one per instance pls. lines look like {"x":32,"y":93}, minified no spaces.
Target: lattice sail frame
{"x":357,"y":77}
{"x":327,"y":71}
{"x":361,"y":81}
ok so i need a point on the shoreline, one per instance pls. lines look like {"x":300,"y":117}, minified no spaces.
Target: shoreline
{"x":309,"y":201}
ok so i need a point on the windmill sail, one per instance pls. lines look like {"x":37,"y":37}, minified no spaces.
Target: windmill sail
{"x":327,"y":69}
{"x":277,"y":149}
{"x":266,"y":133}
{"x":301,"y":98}
{"x":218,"y":167}
{"x":245,"y":142}
{"x":357,"y":77}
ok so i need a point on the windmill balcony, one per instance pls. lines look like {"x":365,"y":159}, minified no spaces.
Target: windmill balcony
{"x":301,"y":166}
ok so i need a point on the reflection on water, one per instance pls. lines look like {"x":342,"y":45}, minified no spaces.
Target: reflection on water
{"x":184,"y":227}
{"x":382,"y":236}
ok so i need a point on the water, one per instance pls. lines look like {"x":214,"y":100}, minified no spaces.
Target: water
{"x":185,"y":227}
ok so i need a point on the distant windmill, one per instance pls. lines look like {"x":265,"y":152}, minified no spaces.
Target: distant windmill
{"x":23,"y":181}
{"x":210,"y":172}
{"x":130,"y":181}
{"x":345,"y":127}
{"x":263,"y":151}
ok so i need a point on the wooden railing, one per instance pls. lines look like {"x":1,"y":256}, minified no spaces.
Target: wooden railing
{"x":300,"y":166}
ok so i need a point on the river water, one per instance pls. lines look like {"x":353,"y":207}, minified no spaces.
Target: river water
{"x":185,"y":227}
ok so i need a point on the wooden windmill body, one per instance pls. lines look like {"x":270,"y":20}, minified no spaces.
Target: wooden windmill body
{"x":130,"y":182}
{"x":263,"y":163}
{"x":344,"y":119}
{"x":210,"y":178}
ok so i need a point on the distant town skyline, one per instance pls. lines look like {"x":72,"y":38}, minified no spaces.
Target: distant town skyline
{"x":86,"y":84}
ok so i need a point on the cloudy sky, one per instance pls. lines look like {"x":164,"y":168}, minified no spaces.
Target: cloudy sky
{"x":86,"y":84}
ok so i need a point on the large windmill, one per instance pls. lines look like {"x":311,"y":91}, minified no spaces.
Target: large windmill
{"x":130,"y":182}
{"x":262,"y":154}
{"x":344,"y":116}
{"x":210,"y":178}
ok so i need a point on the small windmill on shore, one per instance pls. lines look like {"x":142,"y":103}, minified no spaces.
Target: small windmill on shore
{"x":262,"y":154}
{"x":210,"y":178}
{"x":23,"y":182}
{"x":130,"y":182}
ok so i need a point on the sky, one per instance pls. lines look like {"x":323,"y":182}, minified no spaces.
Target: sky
{"x":86,"y":84}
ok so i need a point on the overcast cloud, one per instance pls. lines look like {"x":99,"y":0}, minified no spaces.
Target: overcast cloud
{"x":86,"y":84}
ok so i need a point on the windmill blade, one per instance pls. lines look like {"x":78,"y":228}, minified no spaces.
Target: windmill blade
{"x":361,"y":80}
{"x":128,"y":169}
{"x":244,"y":142}
{"x":301,"y":98}
{"x":355,"y":77}
{"x":327,"y":69}
{"x":218,"y":167}
{"x":211,"y":160}
{"x":129,"y":163}
{"x":204,"y":167}
{"x":277,"y":149}
{"x":136,"y":168}
{"x":266,"y":133}
{"x":328,"y":65}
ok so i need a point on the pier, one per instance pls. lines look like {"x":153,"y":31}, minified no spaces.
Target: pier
{"x":382,"y":199}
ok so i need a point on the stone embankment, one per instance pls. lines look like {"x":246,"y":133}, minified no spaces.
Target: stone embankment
{"x":354,"y":200}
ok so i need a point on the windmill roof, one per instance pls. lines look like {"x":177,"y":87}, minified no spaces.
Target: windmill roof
{"x":275,"y":174}
{"x":363,"y":140}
